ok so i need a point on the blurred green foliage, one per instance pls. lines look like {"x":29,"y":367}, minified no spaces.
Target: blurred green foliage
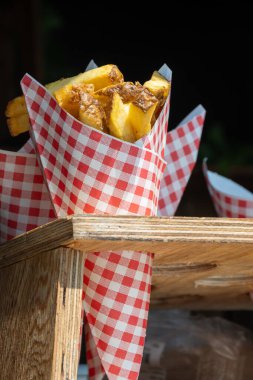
{"x":222,"y":150}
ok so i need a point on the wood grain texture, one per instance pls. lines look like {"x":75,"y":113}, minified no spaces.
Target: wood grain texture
{"x":155,"y":229}
{"x":68,"y":315}
{"x":89,"y":233}
{"x":199,"y":262}
{"x":204,"y":276}
{"x":40,"y":314}
{"x":41,"y":239}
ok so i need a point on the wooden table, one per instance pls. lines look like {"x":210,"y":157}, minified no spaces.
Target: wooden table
{"x":200,"y":263}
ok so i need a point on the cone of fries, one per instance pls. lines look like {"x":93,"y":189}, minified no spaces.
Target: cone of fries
{"x":100,"y":145}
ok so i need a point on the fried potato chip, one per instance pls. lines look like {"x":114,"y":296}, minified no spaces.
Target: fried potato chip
{"x":159,"y":87}
{"x":16,"y":107}
{"x":119,"y":125}
{"x":19,"y":124}
{"x":66,"y":92}
{"x":141,"y":112}
{"x":101,"y":99}
{"x":92,"y":113}
{"x":69,"y":97}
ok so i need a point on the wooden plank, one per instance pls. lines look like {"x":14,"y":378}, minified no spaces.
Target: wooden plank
{"x":155,"y":229}
{"x":198,"y":261}
{"x":68,"y":314}
{"x":204,"y":276}
{"x":154,"y":234}
{"x":229,"y":300}
{"x":40,"y":316}
{"x":204,"y":290}
{"x":41,"y":239}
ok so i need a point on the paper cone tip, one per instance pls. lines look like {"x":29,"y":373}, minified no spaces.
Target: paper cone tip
{"x":166,"y":72}
{"x":91,"y":65}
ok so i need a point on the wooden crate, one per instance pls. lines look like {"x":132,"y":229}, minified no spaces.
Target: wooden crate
{"x":200,"y":263}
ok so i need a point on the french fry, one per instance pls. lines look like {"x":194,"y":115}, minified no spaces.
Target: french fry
{"x":119,"y":124}
{"x":19,"y":124}
{"x":141,"y":113}
{"x":54,"y":86}
{"x":101,"y":99}
{"x":69,"y":97}
{"x":127,"y":91}
{"x":17,"y":116}
{"x":16,"y":107}
{"x":63,"y":91}
{"x":159,"y":87}
{"x":100,"y":77}
{"x":132,"y":120}
{"x":91,"y":112}
{"x":91,"y":116}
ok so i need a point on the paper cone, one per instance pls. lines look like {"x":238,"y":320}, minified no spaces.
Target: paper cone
{"x":96,"y":370}
{"x":117,"y":296}
{"x":230,"y":199}
{"x":181,"y":151}
{"x":87,"y":171}
{"x":28,"y":147}
{"x":24,"y":199}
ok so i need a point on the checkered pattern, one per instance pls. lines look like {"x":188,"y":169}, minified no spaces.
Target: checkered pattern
{"x":96,"y":370}
{"x":28,"y":147}
{"x":156,"y":139}
{"x":227,"y":204}
{"x":117,"y":309}
{"x":24,"y":199}
{"x":104,"y":175}
{"x":181,"y":152}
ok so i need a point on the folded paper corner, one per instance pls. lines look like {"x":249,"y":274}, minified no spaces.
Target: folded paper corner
{"x":166,"y":72}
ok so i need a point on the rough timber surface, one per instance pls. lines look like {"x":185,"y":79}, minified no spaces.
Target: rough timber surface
{"x":199,"y":262}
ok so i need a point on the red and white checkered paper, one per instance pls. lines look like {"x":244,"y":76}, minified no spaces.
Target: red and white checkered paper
{"x":230,"y":199}
{"x":87,"y":171}
{"x":98,"y":164}
{"x":181,"y":151}
{"x":117,"y":311}
{"x":28,"y":147}
{"x":24,"y":199}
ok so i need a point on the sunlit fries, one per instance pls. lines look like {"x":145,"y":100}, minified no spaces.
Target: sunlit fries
{"x":158,"y":86}
{"x":119,"y":124}
{"x":102,"y":99}
{"x":91,"y":112}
